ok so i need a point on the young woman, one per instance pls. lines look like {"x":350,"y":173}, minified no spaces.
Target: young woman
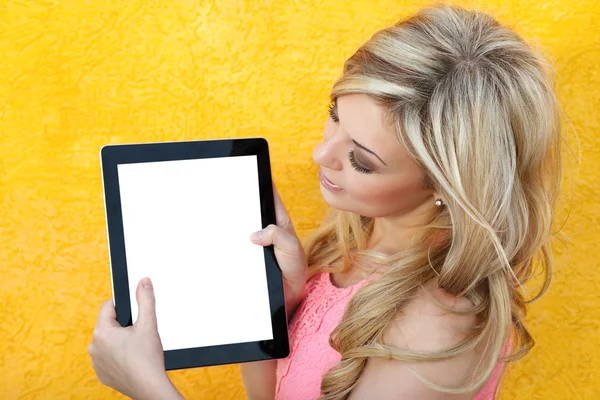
{"x":442,"y":165}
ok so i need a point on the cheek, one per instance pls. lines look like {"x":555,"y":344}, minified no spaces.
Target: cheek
{"x":385,"y":194}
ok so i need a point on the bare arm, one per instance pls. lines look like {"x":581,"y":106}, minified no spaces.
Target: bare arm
{"x":163,"y":391}
{"x":259,"y":379}
{"x":421,"y":327}
{"x":259,"y":376}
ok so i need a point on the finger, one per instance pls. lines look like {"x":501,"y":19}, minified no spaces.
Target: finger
{"x":282,"y":239}
{"x":107,"y":316}
{"x":146,"y":305}
{"x":281,"y":214}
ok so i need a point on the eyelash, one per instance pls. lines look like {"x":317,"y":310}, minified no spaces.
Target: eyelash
{"x":355,"y":164}
{"x":332,"y":112}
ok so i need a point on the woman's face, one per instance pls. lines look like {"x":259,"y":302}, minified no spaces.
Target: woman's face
{"x":364,"y":168}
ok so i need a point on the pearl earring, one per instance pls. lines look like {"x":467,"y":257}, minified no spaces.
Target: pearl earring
{"x":438,"y":202}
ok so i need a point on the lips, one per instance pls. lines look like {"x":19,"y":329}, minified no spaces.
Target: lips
{"x":328,"y":184}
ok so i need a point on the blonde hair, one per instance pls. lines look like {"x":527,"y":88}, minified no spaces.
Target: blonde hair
{"x":474,"y":106}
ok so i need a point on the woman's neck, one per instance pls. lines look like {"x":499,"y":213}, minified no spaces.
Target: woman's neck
{"x":390,"y":235}
{"x":393,"y":234}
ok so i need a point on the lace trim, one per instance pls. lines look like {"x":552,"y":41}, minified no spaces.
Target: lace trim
{"x":321,"y":296}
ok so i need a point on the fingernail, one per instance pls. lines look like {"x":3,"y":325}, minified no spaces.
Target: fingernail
{"x":147,"y":283}
{"x":257,"y":235}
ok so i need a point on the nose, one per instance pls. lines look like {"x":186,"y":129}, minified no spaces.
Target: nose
{"x":327,"y":154}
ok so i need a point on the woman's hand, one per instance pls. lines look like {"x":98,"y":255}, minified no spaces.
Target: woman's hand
{"x":130,"y":360}
{"x":288,"y":251}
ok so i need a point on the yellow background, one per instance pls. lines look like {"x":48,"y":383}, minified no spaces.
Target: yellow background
{"x":76,"y":75}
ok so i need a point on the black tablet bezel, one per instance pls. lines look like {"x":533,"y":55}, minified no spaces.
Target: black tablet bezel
{"x":115,"y":154}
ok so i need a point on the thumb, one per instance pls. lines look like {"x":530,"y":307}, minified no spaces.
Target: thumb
{"x":146,"y":305}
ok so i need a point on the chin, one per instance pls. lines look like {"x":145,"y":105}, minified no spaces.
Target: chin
{"x":335,"y":200}
{"x":338,"y":201}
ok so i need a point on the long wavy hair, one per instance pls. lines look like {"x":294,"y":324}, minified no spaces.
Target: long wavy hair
{"x":475,"y":107}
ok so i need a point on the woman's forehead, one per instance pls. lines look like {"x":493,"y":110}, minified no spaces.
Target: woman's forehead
{"x":362,"y":119}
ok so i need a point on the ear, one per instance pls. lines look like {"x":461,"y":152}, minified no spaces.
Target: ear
{"x":438,"y":196}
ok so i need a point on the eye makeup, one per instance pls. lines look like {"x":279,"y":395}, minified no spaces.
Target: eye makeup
{"x":359,"y":167}
{"x":331,"y":111}
{"x":357,"y":163}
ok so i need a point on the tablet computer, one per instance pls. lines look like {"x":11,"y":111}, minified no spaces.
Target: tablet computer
{"x":181,"y":213}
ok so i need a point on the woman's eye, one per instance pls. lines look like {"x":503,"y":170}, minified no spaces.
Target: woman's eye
{"x":356,"y":165}
{"x":331,"y":111}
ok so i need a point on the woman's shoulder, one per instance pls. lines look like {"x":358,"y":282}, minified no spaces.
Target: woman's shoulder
{"x":423,"y":326}
{"x":423,"y":313}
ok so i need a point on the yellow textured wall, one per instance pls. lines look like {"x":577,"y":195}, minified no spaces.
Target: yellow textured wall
{"x":75,"y":75}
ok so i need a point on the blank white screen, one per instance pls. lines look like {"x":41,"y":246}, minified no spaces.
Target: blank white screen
{"x":187,"y":226}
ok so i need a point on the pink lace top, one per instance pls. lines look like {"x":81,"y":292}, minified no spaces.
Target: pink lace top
{"x":299,"y":375}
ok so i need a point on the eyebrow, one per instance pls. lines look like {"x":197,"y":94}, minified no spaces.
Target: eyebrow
{"x":358,"y":144}
{"x":368,"y":151}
